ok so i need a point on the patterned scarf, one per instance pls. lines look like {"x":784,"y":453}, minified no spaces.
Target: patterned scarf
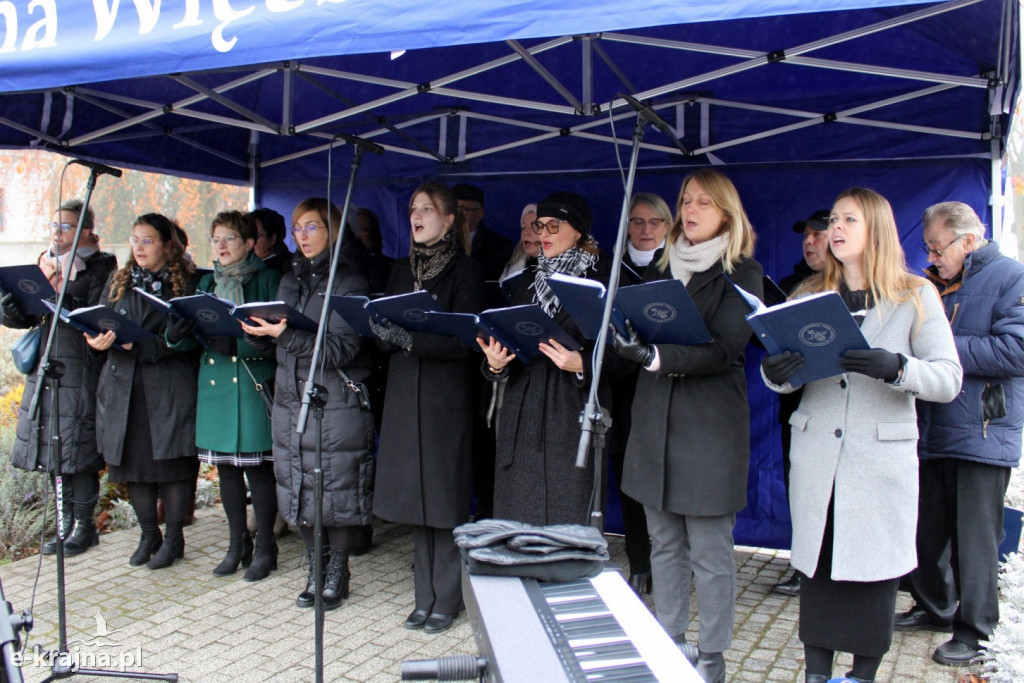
{"x":686,"y":258}
{"x":427,"y":262}
{"x":574,"y":262}
{"x":149,"y":281}
{"x":228,"y":280}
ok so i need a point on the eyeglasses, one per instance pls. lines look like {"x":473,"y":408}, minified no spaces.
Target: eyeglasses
{"x":652,"y":223}
{"x":938,"y":252}
{"x":227,"y":239}
{"x":551,"y":226}
{"x":144,"y":241}
{"x":308,"y":228}
{"x":63,"y":227}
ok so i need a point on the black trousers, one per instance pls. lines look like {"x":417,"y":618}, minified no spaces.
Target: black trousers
{"x":437,"y":570}
{"x":959,"y":525}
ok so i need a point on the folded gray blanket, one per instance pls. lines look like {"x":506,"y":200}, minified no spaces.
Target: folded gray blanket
{"x":558,"y":552}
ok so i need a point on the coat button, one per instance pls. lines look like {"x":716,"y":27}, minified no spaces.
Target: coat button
{"x":210,"y":361}
{"x":234,"y":359}
{"x":234,"y":380}
{"x":839,"y":433}
{"x":123,"y":312}
{"x":842,"y":384}
{"x":213,"y":383}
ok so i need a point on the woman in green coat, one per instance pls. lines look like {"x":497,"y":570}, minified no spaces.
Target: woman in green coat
{"x":232,"y":427}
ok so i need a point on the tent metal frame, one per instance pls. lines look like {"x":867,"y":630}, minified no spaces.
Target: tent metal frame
{"x":583,"y":114}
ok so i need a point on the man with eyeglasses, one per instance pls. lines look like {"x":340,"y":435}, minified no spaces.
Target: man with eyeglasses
{"x":968,"y":447}
{"x":491,"y":250}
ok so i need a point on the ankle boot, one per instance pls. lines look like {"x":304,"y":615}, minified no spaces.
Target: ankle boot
{"x":85,"y":536}
{"x":239,"y":551}
{"x":336,"y":579}
{"x":264,"y":560}
{"x":815,"y":678}
{"x":173,"y":548}
{"x":711,"y":667}
{"x":307,"y":597}
{"x":50,"y":547}
{"x":149,"y":542}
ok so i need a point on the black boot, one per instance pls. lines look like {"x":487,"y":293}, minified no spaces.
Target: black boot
{"x":239,"y":550}
{"x":711,"y":667}
{"x":149,"y":542}
{"x":264,"y":560}
{"x":307,"y":597}
{"x":336,"y":579}
{"x":173,"y":548}
{"x":84,"y":537}
{"x":50,"y":547}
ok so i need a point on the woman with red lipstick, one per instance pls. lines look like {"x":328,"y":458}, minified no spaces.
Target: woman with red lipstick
{"x":536,"y":479}
{"x":146,"y":399}
{"x":853,"y":476}
{"x":232,"y":428}
{"x":346,"y":429}
{"x":426,"y":441}
{"x":689,"y":441}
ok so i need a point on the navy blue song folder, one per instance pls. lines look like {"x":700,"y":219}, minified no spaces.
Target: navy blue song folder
{"x":212,"y":314}
{"x":95,"y":320}
{"x":408,"y":310}
{"x":28,"y":286}
{"x":273,"y":312}
{"x":520,"y":329}
{"x":818,"y":326}
{"x":661,"y":311}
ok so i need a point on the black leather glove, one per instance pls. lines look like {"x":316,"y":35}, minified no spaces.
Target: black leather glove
{"x":391,"y":333}
{"x":781,"y":366}
{"x":225,"y":346}
{"x":632,"y":348}
{"x":877,"y":363}
{"x":12,"y":311}
{"x":178,"y":329}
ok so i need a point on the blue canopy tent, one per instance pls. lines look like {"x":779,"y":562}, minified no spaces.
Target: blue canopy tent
{"x":795,"y":99}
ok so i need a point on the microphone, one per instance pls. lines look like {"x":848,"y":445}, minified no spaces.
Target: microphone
{"x":99,"y":169}
{"x":649,"y":115}
{"x":365,"y":145}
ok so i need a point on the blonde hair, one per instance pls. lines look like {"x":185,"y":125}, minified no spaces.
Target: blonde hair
{"x":724,"y":196}
{"x":884,"y":264}
{"x":327,"y":212}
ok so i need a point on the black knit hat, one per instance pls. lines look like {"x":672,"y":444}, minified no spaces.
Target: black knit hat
{"x":567,"y":206}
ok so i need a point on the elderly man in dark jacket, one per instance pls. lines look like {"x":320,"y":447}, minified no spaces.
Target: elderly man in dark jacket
{"x":967,"y":447}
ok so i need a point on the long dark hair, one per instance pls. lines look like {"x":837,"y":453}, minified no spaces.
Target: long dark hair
{"x":179,"y":268}
{"x":444,"y":199}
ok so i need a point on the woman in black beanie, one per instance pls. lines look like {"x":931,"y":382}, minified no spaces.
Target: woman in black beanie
{"x":536,"y":479}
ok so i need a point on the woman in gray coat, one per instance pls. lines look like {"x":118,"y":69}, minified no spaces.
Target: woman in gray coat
{"x":853,"y":482}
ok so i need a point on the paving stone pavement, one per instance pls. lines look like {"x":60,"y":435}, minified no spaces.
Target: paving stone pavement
{"x":185,"y":620}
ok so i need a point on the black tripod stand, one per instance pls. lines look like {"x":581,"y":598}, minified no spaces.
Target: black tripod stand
{"x":594,"y":420}
{"x":63,"y":664}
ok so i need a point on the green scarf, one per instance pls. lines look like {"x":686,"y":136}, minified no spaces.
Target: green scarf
{"x":228,"y":280}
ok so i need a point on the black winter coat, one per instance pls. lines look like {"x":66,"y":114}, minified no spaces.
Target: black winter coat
{"x":77,"y":396}
{"x":424,"y":464}
{"x":536,"y":479}
{"x":169,"y":377}
{"x":347,"y":429}
{"x":689,"y":444}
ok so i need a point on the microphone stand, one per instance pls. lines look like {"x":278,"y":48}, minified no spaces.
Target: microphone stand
{"x":63,"y":664}
{"x":315,"y":396}
{"x":594,"y":420}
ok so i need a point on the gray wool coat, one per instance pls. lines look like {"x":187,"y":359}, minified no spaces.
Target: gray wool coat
{"x":858,"y":436}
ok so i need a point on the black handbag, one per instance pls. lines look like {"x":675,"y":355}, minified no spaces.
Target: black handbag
{"x":264,"y":388}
